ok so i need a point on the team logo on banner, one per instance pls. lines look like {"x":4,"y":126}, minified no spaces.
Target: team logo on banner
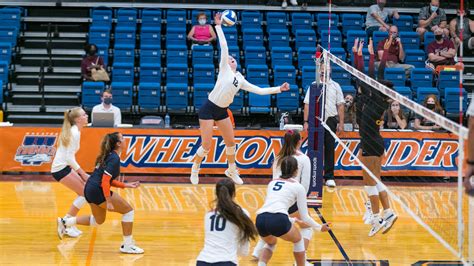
{"x":36,"y":149}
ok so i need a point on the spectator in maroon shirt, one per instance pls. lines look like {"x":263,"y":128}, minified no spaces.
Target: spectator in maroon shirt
{"x":396,"y":53}
{"x":441,"y":51}
{"x":91,"y":61}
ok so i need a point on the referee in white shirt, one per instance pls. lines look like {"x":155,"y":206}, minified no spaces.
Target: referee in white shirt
{"x":334,"y":108}
{"x":107,"y":107}
{"x":469,"y":176}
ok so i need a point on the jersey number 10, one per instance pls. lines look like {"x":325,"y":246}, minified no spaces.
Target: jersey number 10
{"x":217,"y":222}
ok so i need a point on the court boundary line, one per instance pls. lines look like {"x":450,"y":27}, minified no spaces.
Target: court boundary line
{"x":90,"y":251}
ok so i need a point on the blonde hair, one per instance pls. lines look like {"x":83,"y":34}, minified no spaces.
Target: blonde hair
{"x":70,"y":116}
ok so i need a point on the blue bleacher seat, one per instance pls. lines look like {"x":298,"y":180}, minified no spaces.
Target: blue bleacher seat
{"x":103,"y":51}
{"x":351,"y":22}
{"x":125,"y":37}
{"x":257,"y":74}
{"x":341,"y":76}
{"x":278,"y":38}
{"x":281,"y":56}
{"x":99,"y":35}
{"x":422,"y":92}
{"x":201,"y":93}
{"x":348,"y":90}
{"x":91,"y":92}
{"x":284,"y":73}
{"x":1,"y":93}
{"x":251,"y":19}
{"x":234,"y":52}
{"x":123,"y":73}
{"x":4,"y":71}
{"x":150,"y":37}
{"x":176,"y":18}
{"x":421,"y":77}
{"x":252,"y":37}
{"x":231,"y":36}
{"x":379,"y":36}
{"x":150,"y":73}
{"x":203,"y":73}
{"x":255,"y":55}
{"x":301,"y":21}
{"x":175,"y":36}
{"x":195,"y":13}
{"x":305,"y":56}
{"x":177,"y":73}
{"x":127,"y":17}
{"x":308,"y":75}
{"x":238,"y":103}
{"x":404,"y":91}
{"x":151,"y":17}
{"x":176,"y":97}
{"x":404,"y":23}
{"x":339,"y":52}
{"x":410,"y":40}
{"x":416,"y":57}
{"x":203,"y":54}
{"x":5,"y":52}
{"x":288,"y":100}
{"x":149,"y":95}
{"x":451,"y":100}
{"x":124,"y":56}
{"x":336,"y":38}
{"x":276,"y":20}
{"x":352,"y":35}
{"x":9,"y":34}
{"x":447,"y":79}
{"x":123,"y":95}
{"x":428,"y":38}
{"x":177,"y":54}
{"x":10,"y":16}
{"x":322,"y":20}
{"x":305,"y":38}
{"x":260,"y":103}
{"x":102,"y":17}
{"x":396,"y":76}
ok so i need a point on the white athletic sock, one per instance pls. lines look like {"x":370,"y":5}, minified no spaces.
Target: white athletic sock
{"x":127,"y":239}
{"x":70,"y":221}
{"x":196,"y":167}
{"x":232,"y":166}
{"x":261,"y":263}
{"x":387,"y":213}
{"x":67,"y":216}
{"x":258,"y":248}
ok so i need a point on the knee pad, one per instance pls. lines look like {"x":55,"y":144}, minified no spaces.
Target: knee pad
{"x":307,"y":233}
{"x":371,"y":190}
{"x":79,"y":202}
{"x":201,"y":152}
{"x":128,"y":217}
{"x":92,"y":221}
{"x":381,"y":187}
{"x":299,"y":246}
{"x":270,"y":247}
{"x":230,"y":150}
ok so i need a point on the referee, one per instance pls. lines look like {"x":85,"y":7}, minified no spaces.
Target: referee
{"x":469,"y":179}
{"x":333,"y":109}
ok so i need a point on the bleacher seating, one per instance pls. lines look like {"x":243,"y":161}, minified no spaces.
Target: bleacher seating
{"x":422,"y":92}
{"x":410,"y":39}
{"x":421,"y":77}
{"x":404,"y":23}
{"x":255,"y":55}
{"x":91,"y":92}
{"x":305,"y":56}
{"x":201,"y":92}
{"x":348,"y":90}
{"x":251,"y":19}
{"x":305,"y":38}
{"x":351,"y":22}
{"x":415,"y":57}
{"x":203,"y":54}
{"x":451,"y":101}
{"x":278,"y":38}
{"x":203,"y":73}
{"x":447,"y":79}
{"x":276,"y":20}
{"x":150,"y":37}
{"x":176,"y":18}
{"x":252,"y":37}
{"x":336,"y":38}
{"x":281,"y":56}
{"x":176,"y":97}
{"x":149,"y":93}
{"x":301,"y":21}
{"x":322,"y":20}
{"x":396,"y":76}
{"x":308,"y":75}
{"x":127,"y":17}
{"x":379,"y":36}
{"x":257,"y":74}
{"x":289,"y":100}
{"x":259,"y":104}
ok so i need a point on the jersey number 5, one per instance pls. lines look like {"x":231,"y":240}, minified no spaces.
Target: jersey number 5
{"x":217,"y":222}
{"x":278,"y":186}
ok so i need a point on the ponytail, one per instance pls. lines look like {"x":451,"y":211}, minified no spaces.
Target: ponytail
{"x":70,"y":116}
{"x":109,"y":142}
{"x":289,"y":167}
{"x":225,"y":205}
{"x":290,"y":145}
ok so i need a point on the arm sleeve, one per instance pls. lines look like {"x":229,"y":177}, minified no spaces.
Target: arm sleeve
{"x":71,"y":151}
{"x":383,"y":63}
{"x":223,"y":45}
{"x":106,"y":184}
{"x":306,"y":173}
{"x":371,"y":65}
{"x":261,"y":91}
{"x":303,"y":209}
{"x":118,"y":184}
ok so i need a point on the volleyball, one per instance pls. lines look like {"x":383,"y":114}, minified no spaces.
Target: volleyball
{"x":229,"y":18}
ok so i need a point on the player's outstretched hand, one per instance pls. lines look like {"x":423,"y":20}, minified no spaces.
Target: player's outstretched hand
{"x":285,"y":87}
{"x":361,"y":45}
{"x":132,"y":184}
{"x":218,"y":18}
{"x":354,"y":47}
{"x":325,"y":227}
{"x":388,"y":42}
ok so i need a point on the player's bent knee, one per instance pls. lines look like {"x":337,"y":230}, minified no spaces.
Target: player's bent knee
{"x":270,"y":247}
{"x":371,"y":190}
{"x":99,"y":221}
{"x":307,"y":233}
{"x":299,"y":246}
{"x":381,"y":187}
{"x":128,"y":217}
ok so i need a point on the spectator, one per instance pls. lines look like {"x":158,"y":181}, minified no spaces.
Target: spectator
{"x":284,"y":3}
{"x":377,"y":18}
{"x":432,"y":17}
{"x":441,"y":51}
{"x":203,"y":33}
{"x":394,"y":117}
{"x":431,"y":102}
{"x":350,"y":111}
{"x":106,"y":106}
{"x":396,"y":53}
{"x":91,"y":61}
{"x":468,"y":32}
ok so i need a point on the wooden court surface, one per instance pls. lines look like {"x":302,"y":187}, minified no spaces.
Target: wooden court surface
{"x":169,"y":226}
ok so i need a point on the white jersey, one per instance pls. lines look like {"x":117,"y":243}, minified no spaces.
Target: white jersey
{"x":470,"y":110}
{"x":229,"y":83}
{"x":304,"y":170}
{"x":67,"y":155}
{"x":222,"y":240}
{"x":282,"y":194}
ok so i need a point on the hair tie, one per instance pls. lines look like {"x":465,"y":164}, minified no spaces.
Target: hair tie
{"x":290,"y":131}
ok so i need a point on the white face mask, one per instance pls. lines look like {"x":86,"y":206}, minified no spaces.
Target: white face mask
{"x":202,"y":21}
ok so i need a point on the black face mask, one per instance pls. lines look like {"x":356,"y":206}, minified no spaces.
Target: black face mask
{"x":438,"y":37}
{"x":381,"y":5}
{"x":92,"y":52}
{"x":430,"y":106}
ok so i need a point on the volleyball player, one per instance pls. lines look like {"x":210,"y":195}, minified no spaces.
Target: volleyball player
{"x":469,"y":173}
{"x":229,"y":82}
{"x":291,"y":147}
{"x":65,"y":168}
{"x":100,"y":198}
{"x":371,"y":105}
{"x":228,"y":229}
{"x":272,"y":219}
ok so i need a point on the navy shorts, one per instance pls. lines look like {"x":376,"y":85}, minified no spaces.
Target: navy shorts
{"x":274,"y":224}
{"x":293,"y":208}
{"x":210,"y":111}
{"x":62,"y":173}
{"x":94,"y":194}
{"x":372,"y":146}
{"x":220,"y":263}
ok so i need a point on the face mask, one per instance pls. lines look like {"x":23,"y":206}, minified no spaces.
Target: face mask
{"x":107,"y":101}
{"x":381,"y":5}
{"x":434,"y":8}
{"x":438,"y":37}
{"x":202,"y":22}
{"x":92,"y":52}
{"x":430,"y":106}
{"x":348,"y":103}
{"x":394,"y":35}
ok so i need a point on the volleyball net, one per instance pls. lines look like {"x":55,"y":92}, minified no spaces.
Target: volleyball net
{"x":444,"y":211}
